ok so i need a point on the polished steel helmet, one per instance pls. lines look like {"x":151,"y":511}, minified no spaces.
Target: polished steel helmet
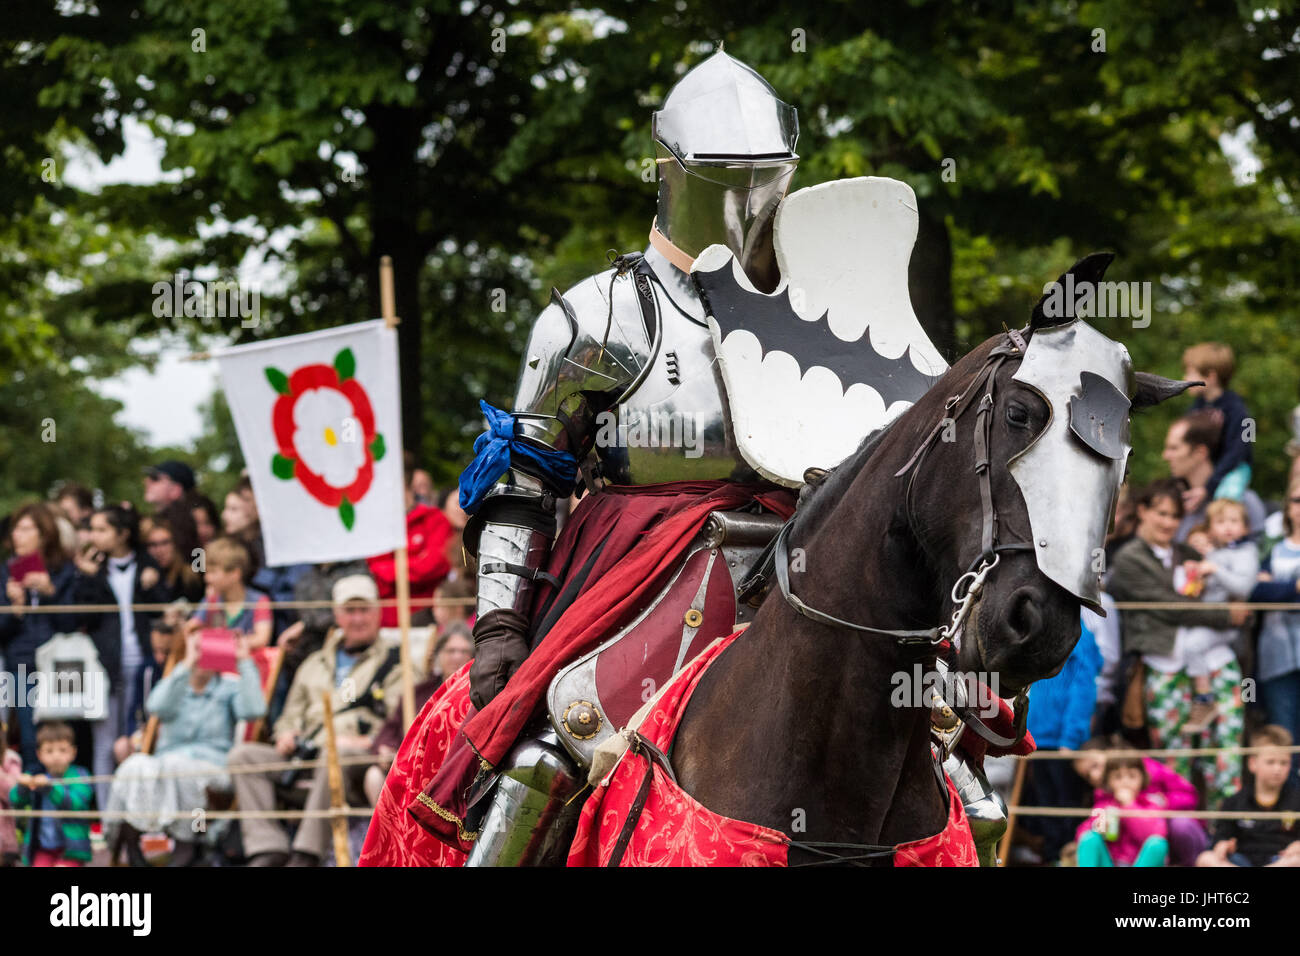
{"x":725,"y":144}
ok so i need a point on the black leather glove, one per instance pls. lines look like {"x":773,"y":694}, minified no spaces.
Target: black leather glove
{"x":500,"y":647}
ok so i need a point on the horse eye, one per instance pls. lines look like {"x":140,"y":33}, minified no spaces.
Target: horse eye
{"x":1017,"y":414}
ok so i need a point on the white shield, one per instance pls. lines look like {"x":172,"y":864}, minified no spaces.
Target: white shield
{"x":835,"y":351}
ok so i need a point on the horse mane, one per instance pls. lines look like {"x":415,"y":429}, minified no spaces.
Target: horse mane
{"x":817,"y":499}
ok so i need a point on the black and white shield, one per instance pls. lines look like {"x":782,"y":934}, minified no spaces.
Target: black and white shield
{"x":835,"y":351}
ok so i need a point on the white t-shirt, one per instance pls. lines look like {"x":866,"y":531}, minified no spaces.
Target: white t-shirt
{"x":121,"y":578}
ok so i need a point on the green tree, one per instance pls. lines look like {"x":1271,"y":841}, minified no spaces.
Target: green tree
{"x":497,"y":151}
{"x":217,"y":458}
{"x":56,"y":429}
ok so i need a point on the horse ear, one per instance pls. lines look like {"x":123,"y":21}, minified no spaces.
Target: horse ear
{"x":1154,"y":389}
{"x":1087,"y":271}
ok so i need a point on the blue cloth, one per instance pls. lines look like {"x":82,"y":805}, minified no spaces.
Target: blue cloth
{"x":1234,"y":483}
{"x":343,"y":664}
{"x":49,"y":835}
{"x":1060,"y":711}
{"x":1234,"y":450}
{"x":498,"y":447}
{"x":201,"y":724}
{"x":1279,"y":636}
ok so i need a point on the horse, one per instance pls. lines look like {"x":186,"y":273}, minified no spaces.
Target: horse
{"x":881,"y":541}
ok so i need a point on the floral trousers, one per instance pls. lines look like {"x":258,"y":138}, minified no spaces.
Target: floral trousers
{"x":1169,"y":704}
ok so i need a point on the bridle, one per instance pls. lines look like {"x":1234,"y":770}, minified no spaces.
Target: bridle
{"x":966,"y":591}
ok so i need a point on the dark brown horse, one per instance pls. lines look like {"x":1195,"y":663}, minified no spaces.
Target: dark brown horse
{"x":792,"y":727}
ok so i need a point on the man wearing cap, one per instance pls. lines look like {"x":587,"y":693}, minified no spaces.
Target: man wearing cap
{"x":362,"y":676}
{"x":166,"y":482}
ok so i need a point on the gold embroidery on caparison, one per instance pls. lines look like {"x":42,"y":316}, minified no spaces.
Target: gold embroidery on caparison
{"x":449,"y":817}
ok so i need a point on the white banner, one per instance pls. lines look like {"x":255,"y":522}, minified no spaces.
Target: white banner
{"x":319,"y":420}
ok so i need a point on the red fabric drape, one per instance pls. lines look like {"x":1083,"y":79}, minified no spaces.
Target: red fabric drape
{"x":674,"y":829}
{"x":393,"y":838}
{"x":643,"y":532}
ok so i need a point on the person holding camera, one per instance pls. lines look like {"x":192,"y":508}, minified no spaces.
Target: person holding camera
{"x":198,"y":710}
{"x":362,"y":676}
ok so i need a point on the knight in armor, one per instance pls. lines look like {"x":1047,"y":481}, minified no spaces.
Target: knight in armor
{"x":633,"y":341}
{"x":626,"y":352}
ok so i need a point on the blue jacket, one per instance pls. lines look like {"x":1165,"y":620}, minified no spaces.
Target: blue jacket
{"x":1233,"y":450}
{"x":20,"y":636}
{"x":1279,"y":635}
{"x":278,"y":583}
{"x":1060,"y":708}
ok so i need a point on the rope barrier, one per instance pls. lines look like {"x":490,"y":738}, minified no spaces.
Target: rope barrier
{"x":417,"y":603}
{"x":208,"y":814}
{"x":1169,"y":814}
{"x":1077,"y":812}
{"x":1205,"y":605}
{"x":222,"y":605}
{"x":471,"y":602}
{"x":344,"y":760}
{"x":1167,"y":752}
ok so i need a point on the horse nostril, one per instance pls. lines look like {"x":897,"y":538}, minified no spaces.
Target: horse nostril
{"x":1025,"y":617}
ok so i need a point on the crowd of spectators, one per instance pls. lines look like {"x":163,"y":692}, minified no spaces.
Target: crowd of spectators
{"x":1177,"y":675}
{"x":214,"y":678}
{"x":175,"y":662}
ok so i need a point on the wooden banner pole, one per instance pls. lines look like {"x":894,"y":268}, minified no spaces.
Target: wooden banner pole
{"x":338,"y":822}
{"x":1004,"y":850}
{"x":388,"y":307}
{"x":175,"y":654}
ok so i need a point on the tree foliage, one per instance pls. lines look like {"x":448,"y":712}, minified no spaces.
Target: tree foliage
{"x":495,"y":150}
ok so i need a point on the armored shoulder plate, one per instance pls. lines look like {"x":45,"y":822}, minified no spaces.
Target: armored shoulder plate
{"x":579,"y":344}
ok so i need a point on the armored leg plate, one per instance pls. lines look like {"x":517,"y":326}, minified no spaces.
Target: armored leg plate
{"x":532,"y":814}
{"x":985,"y":808}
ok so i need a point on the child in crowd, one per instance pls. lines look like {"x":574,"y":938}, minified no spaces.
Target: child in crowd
{"x":1165,"y":787}
{"x":1228,"y":572}
{"x":11,"y":767}
{"x":1273,"y":842}
{"x":54,"y":841}
{"x":1213,"y":363}
{"x":247,"y":610}
{"x":1108,"y":839}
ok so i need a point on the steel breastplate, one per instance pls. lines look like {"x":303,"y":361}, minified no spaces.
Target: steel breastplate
{"x":675,"y":426}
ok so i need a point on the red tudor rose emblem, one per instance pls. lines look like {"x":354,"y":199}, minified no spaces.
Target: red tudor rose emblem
{"x":325,"y":432}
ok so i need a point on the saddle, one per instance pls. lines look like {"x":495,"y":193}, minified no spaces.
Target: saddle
{"x":596,"y":695}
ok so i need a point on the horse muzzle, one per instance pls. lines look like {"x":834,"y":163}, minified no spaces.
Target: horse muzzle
{"x":1026,"y":636}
